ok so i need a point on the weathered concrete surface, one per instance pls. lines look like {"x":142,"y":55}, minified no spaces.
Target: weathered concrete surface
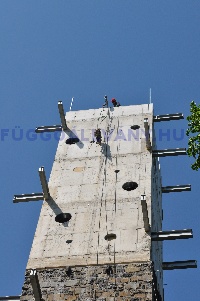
{"x":73,"y":260}
{"x":130,"y":282}
{"x":84,"y":183}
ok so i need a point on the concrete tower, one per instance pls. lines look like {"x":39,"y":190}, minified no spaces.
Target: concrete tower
{"x":99,"y":234}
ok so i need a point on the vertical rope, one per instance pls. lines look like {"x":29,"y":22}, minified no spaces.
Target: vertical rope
{"x":107,"y":132}
{"x":116,"y":169}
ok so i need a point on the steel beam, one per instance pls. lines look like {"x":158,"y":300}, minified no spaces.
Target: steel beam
{"x":35,"y":285}
{"x":179,"y":265}
{"x":17,"y":298}
{"x":62,"y":115}
{"x":145,"y":213}
{"x":177,"y":188}
{"x":48,"y":128}
{"x":171,"y":235}
{"x":44,"y":183}
{"x":169,"y":152}
{"x":28,"y":197}
{"x":168,"y":117}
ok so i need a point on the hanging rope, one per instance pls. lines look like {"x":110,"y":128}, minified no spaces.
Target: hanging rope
{"x":116,"y":170}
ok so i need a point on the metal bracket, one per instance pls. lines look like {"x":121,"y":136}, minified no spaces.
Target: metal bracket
{"x":35,"y":196}
{"x":53,"y":128}
{"x":179,"y":265}
{"x":169,"y":152}
{"x":44,"y":183}
{"x":48,"y":128}
{"x":9,"y":298}
{"x":35,"y":285}
{"x":168,"y":117}
{"x":177,"y":188}
{"x":171,"y":235}
{"x":28,"y":197}
{"x":62,"y":115}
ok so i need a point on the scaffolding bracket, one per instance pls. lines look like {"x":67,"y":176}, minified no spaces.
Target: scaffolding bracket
{"x":62,"y":115}
{"x":54,"y":128}
{"x":28,"y":197}
{"x":48,"y":128}
{"x":17,"y":298}
{"x":169,"y":152}
{"x":44,"y":183}
{"x":168,"y":117}
{"x":35,"y":285}
{"x":171,"y":235}
{"x":145,"y":213}
{"x":179,"y":265}
{"x":177,"y":188}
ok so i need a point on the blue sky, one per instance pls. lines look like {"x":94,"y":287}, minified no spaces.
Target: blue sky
{"x":54,"y":50}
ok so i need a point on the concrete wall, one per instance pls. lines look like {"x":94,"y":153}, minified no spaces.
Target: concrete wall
{"x":84,"y":183}
{"x":73,"y":260}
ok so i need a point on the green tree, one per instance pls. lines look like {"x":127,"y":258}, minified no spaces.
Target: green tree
{"x":193,"y":132}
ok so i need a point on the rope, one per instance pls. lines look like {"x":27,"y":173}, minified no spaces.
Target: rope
{"x":116,"y":172}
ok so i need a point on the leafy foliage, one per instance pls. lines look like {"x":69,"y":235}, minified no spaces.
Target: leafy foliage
{"x":193,"y":132}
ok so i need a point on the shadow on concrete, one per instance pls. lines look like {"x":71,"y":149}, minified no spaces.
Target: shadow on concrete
{"x":52,"y":204}
{"x":73,"y":135}
{"x":105,"y":150}
{"x":56,"y":209}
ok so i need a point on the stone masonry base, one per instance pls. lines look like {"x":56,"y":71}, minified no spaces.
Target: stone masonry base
{"x":130,"y":282}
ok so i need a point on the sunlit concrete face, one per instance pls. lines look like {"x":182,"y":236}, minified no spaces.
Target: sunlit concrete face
{"x":86,"y":181}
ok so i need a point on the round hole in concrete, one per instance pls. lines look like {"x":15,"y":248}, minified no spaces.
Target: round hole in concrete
{"x":69,"y":241}
{"x":130,"y":186}
{"x":63,"y":218}
{"x":110,"y":236}
{"x":72,"y":141}
{"x":135,"y":127}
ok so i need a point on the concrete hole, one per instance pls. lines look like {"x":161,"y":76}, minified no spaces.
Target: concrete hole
{"x":72,"y":141}
{"x":69,"y":241}
{"x":63,"y":218}
{"x":130,"y":186}
{"x":135,"y":127}
{"x":110,"y":236}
